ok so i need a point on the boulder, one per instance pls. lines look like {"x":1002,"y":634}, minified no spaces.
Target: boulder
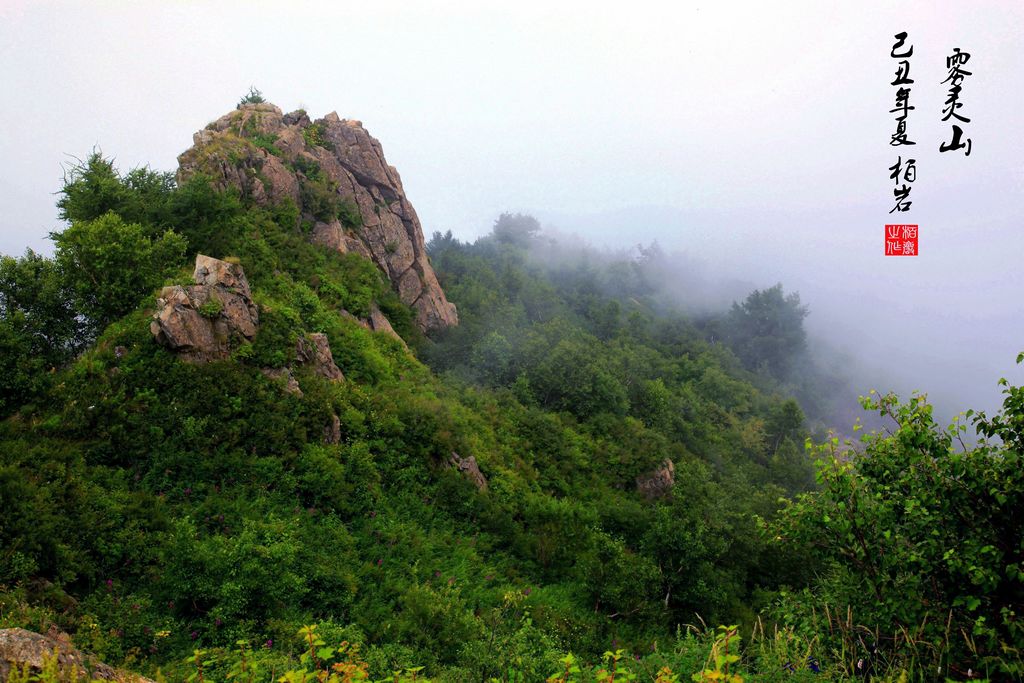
{"x":659,"y":482}
{"x":469,"y":469}
{"x":315,"y":352}
{"x":332,"y":431}
{"x":20,"y":649}
{"x":376,"y":321}
{"x":200,"y":321}
{"x":291,"y":385}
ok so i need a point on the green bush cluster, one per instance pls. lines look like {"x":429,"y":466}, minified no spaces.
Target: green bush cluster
{"x":319,"y":195}
{"x":314,"y":136}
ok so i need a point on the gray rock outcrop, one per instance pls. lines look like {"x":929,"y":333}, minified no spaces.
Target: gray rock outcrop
{"x":376,"y":321}
{"x":314,"y":353}
{"x":659,"y":482}
{"x":200,"y":321}
{"x":469,"y":469}
{"x":21,"y":649}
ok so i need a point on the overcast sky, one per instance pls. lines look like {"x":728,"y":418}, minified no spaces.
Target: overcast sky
{"x":754,"y":136}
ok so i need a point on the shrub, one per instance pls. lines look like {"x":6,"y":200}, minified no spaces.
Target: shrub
{"x":254,"y":96}
{"x":314,"y":136}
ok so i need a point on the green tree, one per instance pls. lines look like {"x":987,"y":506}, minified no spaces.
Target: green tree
{"x":254,"y":96}
{"x":109,"y":265}
{"x":925,"y":532}
{"x":94,"y":187}
{"x":39,"y":330}
{"x":767,"y":330}
{"x":519,"y":229}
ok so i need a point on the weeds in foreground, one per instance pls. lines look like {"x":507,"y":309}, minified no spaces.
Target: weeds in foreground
{"x":781,"y":656}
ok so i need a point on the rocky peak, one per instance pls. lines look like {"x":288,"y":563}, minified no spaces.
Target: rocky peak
{"x":336,"y":173}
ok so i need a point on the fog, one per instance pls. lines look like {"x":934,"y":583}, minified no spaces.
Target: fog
{"x":753,"y":137}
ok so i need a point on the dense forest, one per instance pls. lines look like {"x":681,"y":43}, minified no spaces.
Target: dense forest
{"x":581,"y":480}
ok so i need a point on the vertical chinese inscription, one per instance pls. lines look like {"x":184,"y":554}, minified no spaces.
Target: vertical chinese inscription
{"x":903,"y":173}
{"x":957,"y":74}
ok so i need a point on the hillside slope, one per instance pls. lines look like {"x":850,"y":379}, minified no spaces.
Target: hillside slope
{"x":219,"y":427}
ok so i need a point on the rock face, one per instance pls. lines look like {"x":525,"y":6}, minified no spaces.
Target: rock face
{"x":332,"y":163}
{"x":314,"y":353}
{"x":199,"y":321}
{"x":659,"y":483}
{"x":469,"y":469}
{"x":20,"y":648}
{"x":376,"y":322}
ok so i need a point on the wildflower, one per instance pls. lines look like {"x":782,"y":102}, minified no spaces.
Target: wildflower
{"x":488,"y":577}
{"x":380,"y":561}
{"x":527,"y":591}
{"x":194,"y":634}
{"x":188,"y":490}
{"x":135,"y":607}
{"x":162,"y":634}
{"x":218,"y":621}
{"x":110,"y":583}
{"x":269,"y":644}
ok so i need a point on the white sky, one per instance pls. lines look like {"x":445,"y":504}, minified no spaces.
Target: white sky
{"x":754,"y":135}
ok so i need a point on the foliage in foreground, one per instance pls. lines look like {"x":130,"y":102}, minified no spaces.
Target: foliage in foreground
{"x":702,"y":656}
